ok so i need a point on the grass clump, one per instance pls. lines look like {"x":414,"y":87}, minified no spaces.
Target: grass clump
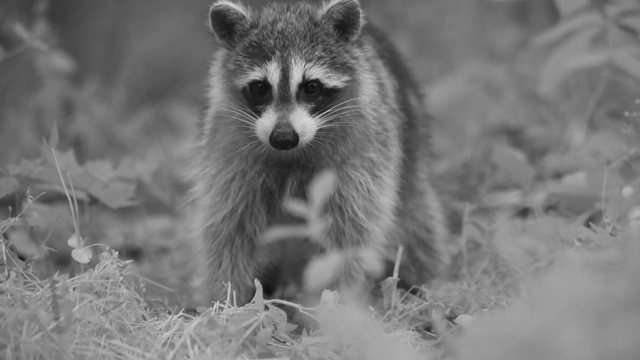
{"x":101,"y":314}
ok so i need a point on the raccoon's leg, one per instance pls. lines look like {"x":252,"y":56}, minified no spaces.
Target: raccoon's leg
{"x":226,"y":259}
{"x":422,"y":230}
{"x":359,"y":229}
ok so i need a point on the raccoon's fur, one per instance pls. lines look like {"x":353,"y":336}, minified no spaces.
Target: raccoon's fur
{"x":296,"y":89}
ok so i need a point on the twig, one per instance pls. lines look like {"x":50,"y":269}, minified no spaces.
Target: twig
{"x":396,"y":272}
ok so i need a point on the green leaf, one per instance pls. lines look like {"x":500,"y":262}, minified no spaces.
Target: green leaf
{"x":284,"y":232}
{"x":628,"y":60}
{"x":83,"y":255}
{"x":297,"y":208}
{"x":554,"y":71}
{"x":629,"y":22}
{"x":279,"y":318}
{"x":570,"y":7}
{"x":621,"y":11}
{"x":463,"y":319}
{"x":258,"y":298}
{"x":513,"y":165}
{"x":114,"y":194}
{"x":321,"y":189}
{"x":589,"y":59}
{"x":25,"y":244}
{"x":589,"y":21}
{"x":66,"y":159}
{"x":73,"y":242}
{"x":323,"y":271}
{"x":239,"y":321}
{"x":8,"y":185}
{"x":262,"y":338}
{"x":101,"y":169}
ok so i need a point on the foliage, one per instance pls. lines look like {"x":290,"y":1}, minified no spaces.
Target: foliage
{"x":538,"y":163}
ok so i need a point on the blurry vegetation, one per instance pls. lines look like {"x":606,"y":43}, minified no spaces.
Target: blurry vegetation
{"x":536,"y":132}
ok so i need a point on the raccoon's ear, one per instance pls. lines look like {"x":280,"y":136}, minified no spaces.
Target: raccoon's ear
{"x":344,"y":17}
{"x":229,"y":21}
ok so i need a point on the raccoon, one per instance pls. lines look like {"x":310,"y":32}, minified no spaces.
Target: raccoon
{"x":296,"y":89}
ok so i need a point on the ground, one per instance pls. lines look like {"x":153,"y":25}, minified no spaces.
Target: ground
{"x":536,"y":133}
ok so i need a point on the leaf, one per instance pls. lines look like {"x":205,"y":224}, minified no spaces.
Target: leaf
{"x":620,"y":10}
{"x":279,"y":318}
{"x":629,"y":24}
{"x":114,"y":194}
{"x":329,"y":299}
{"x":321,"y":189}
{"x":590,"y":59}
{"x":67,"y":159}
{"x":628,"y":60}
{"x":258,"y":298}
{"x":323,"y":271}
{"x":627,"y":192}
{"x":569,"y":7}
{"x":25,"y":168}
{"x":262,"y":338}
{"x":554,"y":72}
{"x":83,"y":255}
{"x":513,"y":164}
{"x":297,"y":208}
{"x":239,"y":320}
{"x":7,"y":223}
{"x":101,"y":169}
{"x":73,"y":242}
{"x":463,"y":319}
{"x":284,"y":232}
{"x":8,"y":185}
{"x":568,"y":27}
{"x":25,"y":244}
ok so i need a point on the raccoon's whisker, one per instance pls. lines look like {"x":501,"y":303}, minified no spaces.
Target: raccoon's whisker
{"x":244,"y":124}
{"x":339,"y":113}
{"x":241,"y":107}
{"x":325,"y":137}
{"x":332,"y":125}
{"x":242,"y":120}
{"x":247,"y":112}
{"x":240,"y":116}
{"x":343,"y":103}
{"x":323,"y":120}
{"x":246,"y":146}
{"x":240,"y":112}
{"x":312,"y":147}
{"x":337,"y":107}
{"x":334,"y":110}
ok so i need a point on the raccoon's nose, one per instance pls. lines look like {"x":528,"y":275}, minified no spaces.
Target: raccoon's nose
{"x":284,"y":137}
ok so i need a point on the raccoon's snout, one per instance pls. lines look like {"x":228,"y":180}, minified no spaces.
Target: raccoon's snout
{"x":284,"y":137}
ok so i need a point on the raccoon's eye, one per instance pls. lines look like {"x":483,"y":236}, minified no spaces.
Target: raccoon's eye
{"x":312,"y":88}
{"x":259,"y":88}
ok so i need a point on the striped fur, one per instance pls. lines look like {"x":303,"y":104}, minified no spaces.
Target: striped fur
{"x":368,"y":125}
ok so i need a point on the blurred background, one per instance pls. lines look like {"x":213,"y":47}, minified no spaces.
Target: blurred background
{"x":529,"y":97}
{"x":142,"y":53}
{"x":159,"y":48}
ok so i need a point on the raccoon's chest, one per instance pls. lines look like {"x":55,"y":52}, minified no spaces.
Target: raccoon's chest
{"x":281,"y":183}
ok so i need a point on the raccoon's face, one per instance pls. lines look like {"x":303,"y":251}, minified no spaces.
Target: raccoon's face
{"x":287,"y":71}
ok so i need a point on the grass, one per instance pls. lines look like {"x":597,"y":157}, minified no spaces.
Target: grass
{"x":584,"y":305}
{"x":541,"y":180}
